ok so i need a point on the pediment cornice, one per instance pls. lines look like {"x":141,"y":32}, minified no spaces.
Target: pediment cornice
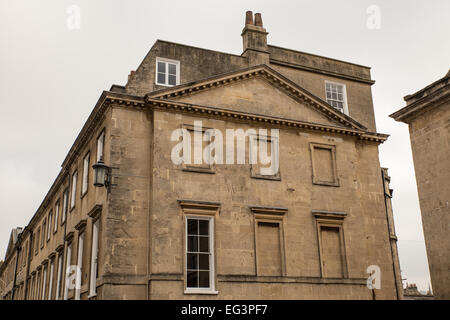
{"x":274,"y":78}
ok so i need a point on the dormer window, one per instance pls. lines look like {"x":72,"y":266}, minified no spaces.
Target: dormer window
{"x":336,"y":96}
{"x":167,"y":72}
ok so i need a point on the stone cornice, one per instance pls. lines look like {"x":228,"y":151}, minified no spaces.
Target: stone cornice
{"x":268,"y":210}
{"x":275,"y":78}
{"x":197,"y":204}
{"x":238,"y":116}
{"x":433,"y":99}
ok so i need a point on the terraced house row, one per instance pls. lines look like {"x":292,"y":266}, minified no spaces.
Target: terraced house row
{"x":160,"y":229}
{"x":60,"y":245}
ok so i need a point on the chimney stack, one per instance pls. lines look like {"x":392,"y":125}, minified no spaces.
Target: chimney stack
{"x":248,"y":17}
{"x":258,"y":20}
{"x":255,"y":40}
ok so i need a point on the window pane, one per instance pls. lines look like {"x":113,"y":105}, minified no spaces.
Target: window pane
{"x":100,"y":146}
{"x":161,"y":78}
{"x":192,"y":279}
{"x":172,"y":80}
{"x":203,"y":227}
{"x":192,"y":261}
{"x":328,"y":95}
{"x":203,"y":261}
{"x":161,"y":67}
{"x":339,"y":89}
{"x":192,"y":226}
{"x":334,"y":95}
{"x":203,"y":279}
{"x":204,"y":244}
{"x":172,"y":69}
{"x":192,"y":244}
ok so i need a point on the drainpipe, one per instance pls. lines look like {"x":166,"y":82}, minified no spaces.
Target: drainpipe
{"x":389,"y":222}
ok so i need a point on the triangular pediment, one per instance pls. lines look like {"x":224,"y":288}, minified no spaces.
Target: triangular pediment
{"x":259,"y":90}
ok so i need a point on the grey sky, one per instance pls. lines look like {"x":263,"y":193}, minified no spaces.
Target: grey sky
{"x":51,"y":77}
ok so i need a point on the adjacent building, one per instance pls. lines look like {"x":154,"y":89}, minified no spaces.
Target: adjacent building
{"x":427,"y":113}
{"x":165,"y":227}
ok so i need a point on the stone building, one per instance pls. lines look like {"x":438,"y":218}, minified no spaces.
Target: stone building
{"x":310,"y":229}
{"x":427,"y":113}
{"x":412,"y":293}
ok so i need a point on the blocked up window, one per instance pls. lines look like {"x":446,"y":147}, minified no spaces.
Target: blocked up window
{"x":324,"y":164}
{"x":269,"y":249}
{"x":265,"y":149}
{"x":193,"y":162}
{"x":331,"y":252}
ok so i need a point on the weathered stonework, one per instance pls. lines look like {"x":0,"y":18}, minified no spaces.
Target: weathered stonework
{"x":427,"y":114}
{"x":309,"y":232}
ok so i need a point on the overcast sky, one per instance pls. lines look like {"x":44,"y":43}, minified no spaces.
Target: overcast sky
{"x":51,"y":77}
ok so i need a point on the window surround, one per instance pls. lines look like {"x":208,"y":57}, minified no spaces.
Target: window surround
{"x":56,"y":216}
{"x":331,"y":219}
{"x":59,"y":277}
{"x":201,"y":210}
{"x":167,"y":61}
{"x":100,"y":145}
{"x":315,"y":180}
{"x":93,"y":275}
{"x":85,"y":177}
{"x":44,"y":281}
{"x":252,"y":144}
{"x":43,"y":233}
{"x":273,"y":215}
{"x":65,"y":206}
{"x":344,"y":94}
{"x":51,"y":275}
{"x":37,"y":239}
{"x":49,"y":225}
{"x":79,"y":271}
{"x":73,"y":190}
{"x":199,"y":168}
{"x":68,"y":262}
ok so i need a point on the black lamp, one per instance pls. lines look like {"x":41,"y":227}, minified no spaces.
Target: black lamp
{"x":102,"y":174}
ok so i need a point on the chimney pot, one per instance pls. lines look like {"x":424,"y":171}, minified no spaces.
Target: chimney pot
{"x":258,"y":20}
{"x":248,"y":17}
